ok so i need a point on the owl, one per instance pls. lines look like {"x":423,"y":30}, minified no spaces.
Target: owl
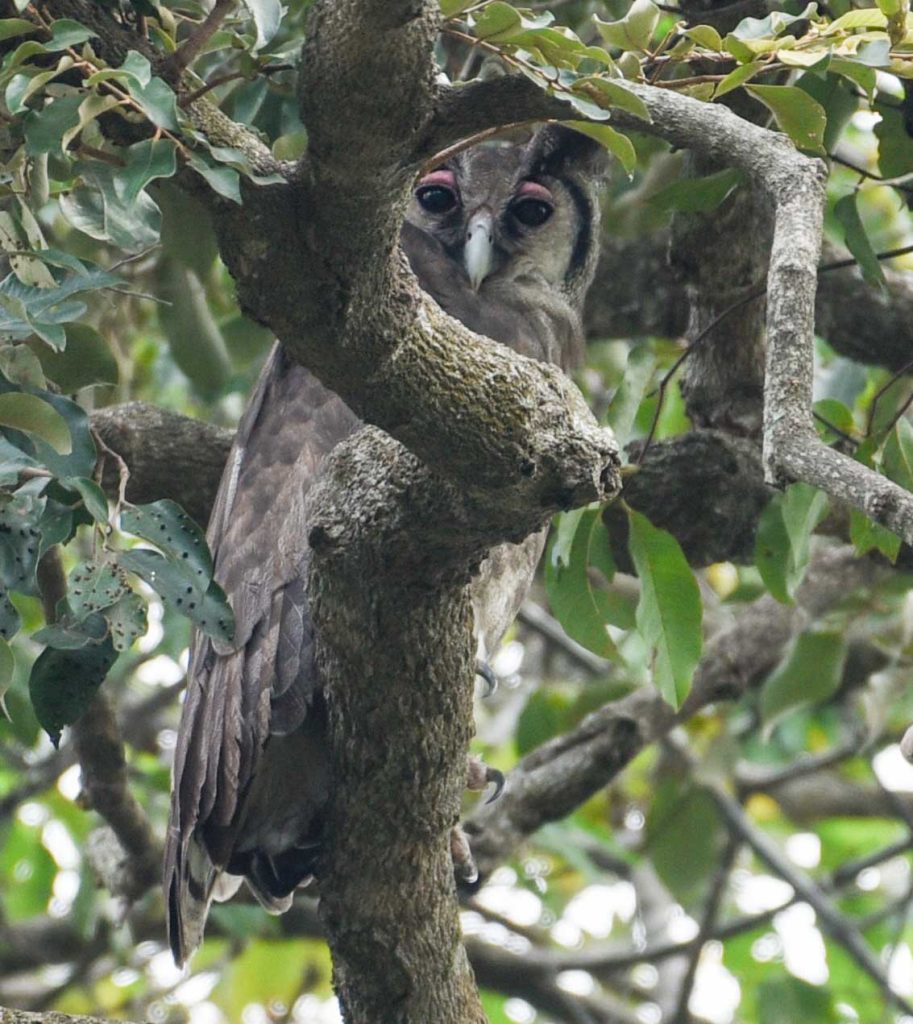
{"x":505,"y":238}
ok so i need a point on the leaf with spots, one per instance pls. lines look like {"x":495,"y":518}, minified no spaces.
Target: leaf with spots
{"x":9,"y":617}
{"x":180,"y":590}
{"x":64,"y":682}
{"x":166,"y":525}
{"x":19,"y":538}
{"x":93,"y":586}
{"x":127,"y":619}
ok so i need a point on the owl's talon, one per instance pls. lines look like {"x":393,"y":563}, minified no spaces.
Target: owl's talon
{"x":492,"y":775}
{"x":484,"y":671}
{"x":464,"y":867}
{"x":479,"y":775}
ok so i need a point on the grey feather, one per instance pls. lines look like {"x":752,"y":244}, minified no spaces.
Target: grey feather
{"x":251,"y":773}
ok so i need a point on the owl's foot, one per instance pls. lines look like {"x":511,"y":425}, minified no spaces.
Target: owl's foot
{"x":485,"y":673}
{"x":464,"y":867}
{"x":479,"y":775}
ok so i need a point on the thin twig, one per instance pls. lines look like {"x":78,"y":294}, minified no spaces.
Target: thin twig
{"x":755,"y":293}
{"x":123,"y":471}
{"x":840,"y":929}
{"x":707,"y":926}
{"x":468,"y":143}
{"x":890,"y":254}
{"x":879,"y":395}
{"x":193,"y":45}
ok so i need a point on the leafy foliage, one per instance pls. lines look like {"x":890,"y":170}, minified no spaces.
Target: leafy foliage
{"x":111,"y":290}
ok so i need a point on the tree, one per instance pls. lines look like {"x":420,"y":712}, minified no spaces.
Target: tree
{"x":696,"y":755}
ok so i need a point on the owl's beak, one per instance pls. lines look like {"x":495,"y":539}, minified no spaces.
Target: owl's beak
{"x":479,"y":247}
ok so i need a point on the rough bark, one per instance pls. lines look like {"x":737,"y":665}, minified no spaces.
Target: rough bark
{"x":167,"y":455}
{"x":636,"y":293}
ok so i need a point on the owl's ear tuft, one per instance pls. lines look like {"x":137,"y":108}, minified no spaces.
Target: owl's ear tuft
{"x":556,"y":150}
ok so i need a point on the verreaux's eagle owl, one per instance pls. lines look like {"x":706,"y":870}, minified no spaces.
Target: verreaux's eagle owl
{"x":505,"y":238}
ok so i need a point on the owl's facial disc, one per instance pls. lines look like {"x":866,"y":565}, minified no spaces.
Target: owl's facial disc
{"x":478,"y":252}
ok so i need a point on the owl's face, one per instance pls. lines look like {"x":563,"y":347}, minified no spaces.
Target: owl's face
{"x":507,"y":214}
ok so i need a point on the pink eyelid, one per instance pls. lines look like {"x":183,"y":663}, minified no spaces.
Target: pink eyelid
{"x":533,"y":190}
{"x":446,"y":178}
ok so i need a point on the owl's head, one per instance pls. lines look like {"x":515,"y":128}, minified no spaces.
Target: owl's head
{"x":506,"y":213}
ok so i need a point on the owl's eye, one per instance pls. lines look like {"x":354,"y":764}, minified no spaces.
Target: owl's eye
{"x":532,"y":212}
{"x":436,"y":198}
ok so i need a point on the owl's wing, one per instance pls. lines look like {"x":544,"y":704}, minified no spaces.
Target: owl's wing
{"x":263,"y":683}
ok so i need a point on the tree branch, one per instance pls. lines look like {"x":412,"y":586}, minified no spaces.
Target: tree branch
{"x":168,"y":455}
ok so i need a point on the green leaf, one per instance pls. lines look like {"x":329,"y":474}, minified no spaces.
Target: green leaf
{"x":802,"y":118}
{"x":158,"y":102}
{"x":857,"y":240}
{"x":72,"y":633}
{"x":772,"y":553}
{"x":864,"y":17}
{"x":36,"y":417}
{"x":168,"y":526}
{"x":127,"y":619}
{"x":635,"y":30}
{"x":737,"y":77}
{"x":267,"y":15}
{"x":897,"y":459}
{"x":7,"y":668}
{"x":895,"y":146}
{"x":92,"y":107}
{"x":93,"y":497}
{"x":146,"y":161}
{"x":449,"y":8}
{"x":860,"y":74}
{"x":622,"y":411}
{"x":617,"y":144}
{"x":64,"y":682}
{"x":868,"y":536}
{"x":497,"y":22}
{"x":224,"y":180}
{"x":45,"y":128}
{"x":774,"y":24}
{"x":86,"y":360}
{"x":20,"y":365}
{"x":210,"y":611}
{"x":57,"y":526}
{"x":837,"y":415}
{"x":66,"y":33}
{"x":698,"y":195}
{"x":10,"y":620}
{"x":669,"y":611}
{"x":12,"y":27}
{"x":102,"y":209}
{"x":92,"y":586}
{"x":784,"y":536}
{"x":578,"y":568}
{"x":811,"y":674}
{"x":610,"y":92}
{"x":541,"y":719}
{"x":706,"y":36}
{"x":790,"y":999}
{"x":80,"y":461}
{"x":684,"y":837}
